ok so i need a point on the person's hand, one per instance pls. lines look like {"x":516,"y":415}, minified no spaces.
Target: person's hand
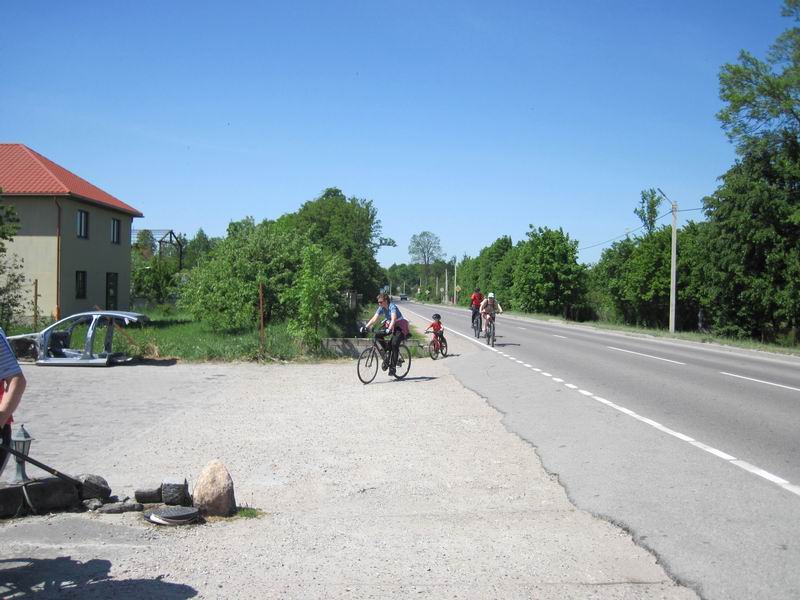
{"x":362,"y":330}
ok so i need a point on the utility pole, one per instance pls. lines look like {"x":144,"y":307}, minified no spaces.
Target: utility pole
{"x":446,"y":289}
{"x":673,"y":276}
{"x":455,"y":282}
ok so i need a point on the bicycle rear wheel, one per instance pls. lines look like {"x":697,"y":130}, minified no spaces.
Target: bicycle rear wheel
{"x":367,"y":366}
{"x":443,"y":349}
{"x":433,"y":350}
{"x":403,"y":361}
{"x":476,"y":326}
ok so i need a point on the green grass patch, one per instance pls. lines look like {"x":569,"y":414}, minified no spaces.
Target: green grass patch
{"x":248,"y":512}
{"x":177,"y":336}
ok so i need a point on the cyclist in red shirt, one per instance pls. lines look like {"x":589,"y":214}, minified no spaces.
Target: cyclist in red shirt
{"x":475,"y":303}
{"x":437,"y":327}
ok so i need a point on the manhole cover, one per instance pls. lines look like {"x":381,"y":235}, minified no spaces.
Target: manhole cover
{"x":173,"y":515}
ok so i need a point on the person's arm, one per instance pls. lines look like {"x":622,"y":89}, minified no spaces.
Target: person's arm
{"x":390,"y":329}
{"x":499,"y":308}
{"x":371,"y":321}
{"x":483,"y":304}
{"x":15,"y":387}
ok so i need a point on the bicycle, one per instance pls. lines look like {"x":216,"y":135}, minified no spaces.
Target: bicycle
{"x":436,"y":346}
{"x":490,"y":332}
{"x":476,"y":323}
{"x":372,"y":357}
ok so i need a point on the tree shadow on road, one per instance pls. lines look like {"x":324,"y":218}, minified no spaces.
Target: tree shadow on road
{"x":64,"y":577}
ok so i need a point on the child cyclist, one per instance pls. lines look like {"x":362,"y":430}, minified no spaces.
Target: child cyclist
{"x":397,"y":328}
{"x":437,"y":328}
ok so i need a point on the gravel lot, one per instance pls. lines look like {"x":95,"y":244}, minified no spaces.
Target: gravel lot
{"x":391,"y":490}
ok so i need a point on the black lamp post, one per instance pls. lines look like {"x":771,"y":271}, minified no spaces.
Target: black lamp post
{"x":21,"y":442}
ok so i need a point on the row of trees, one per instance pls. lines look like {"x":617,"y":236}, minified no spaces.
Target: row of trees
{"x":738,"y":270}
{"x":301,"y":263}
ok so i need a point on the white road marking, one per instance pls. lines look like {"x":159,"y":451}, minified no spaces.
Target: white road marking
{"x":760,"y":472}
{"x":527,"y":365}
{"x":647,"y":355}
{"x":788,"y":387}
{"x":780,"y":481}
{"x":563,"y":337}
{"x":523,"y":328}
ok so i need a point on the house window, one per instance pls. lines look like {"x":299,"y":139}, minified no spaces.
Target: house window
{"x":112,"y":288}
{"x":80,"y":285}
{"x":115,"y":231}
{"x":83,"y":224}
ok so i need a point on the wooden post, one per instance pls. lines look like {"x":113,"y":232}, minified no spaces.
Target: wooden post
{"x":35,"y":304}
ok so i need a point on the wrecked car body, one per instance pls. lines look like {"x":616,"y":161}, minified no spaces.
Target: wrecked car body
{"x":84,"y":339}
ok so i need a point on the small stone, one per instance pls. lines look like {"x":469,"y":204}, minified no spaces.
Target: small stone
{"x":112,"y":508}
{"x":98,"y":487}
{"x":175,"y":491}
{"x":213,"y":493}
{"x":148,"y":495}
{"x":92,"y":503}
{"x":120,"y":507}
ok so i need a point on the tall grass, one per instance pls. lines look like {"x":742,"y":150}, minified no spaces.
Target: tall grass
{"x":176,"y":335}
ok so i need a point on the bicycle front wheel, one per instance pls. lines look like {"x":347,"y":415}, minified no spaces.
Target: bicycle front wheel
{"x":403,"y":361}
{"x":367,"y":366}
{"x":433,"y":350}
{"x":489,"y":333}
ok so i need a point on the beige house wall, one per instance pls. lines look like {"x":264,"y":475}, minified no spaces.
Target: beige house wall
{"x":35,"y":244}
{"x":97,"y":255}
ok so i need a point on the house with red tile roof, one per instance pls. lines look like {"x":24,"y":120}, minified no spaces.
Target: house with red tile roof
{"x":74,"y":238}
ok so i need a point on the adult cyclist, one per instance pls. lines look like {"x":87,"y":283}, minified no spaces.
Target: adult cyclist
{"x":397,"y":328}
{"x":475,"y":303}
{"x":489,"y":308}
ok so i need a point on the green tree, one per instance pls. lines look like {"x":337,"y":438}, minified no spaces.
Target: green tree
{"x":753,"y":243}
{"x":12,"y":278}
{"x":647,"y":211}
{"x":223,"y":290}
{"x":425,"y":248}
{"x":197,"y":249}
{"x":349,"y":227}
{"x":316,"y":293}
{"x":761,"y":96}
{"x":547,"y":275}
{"x":145,"y":243}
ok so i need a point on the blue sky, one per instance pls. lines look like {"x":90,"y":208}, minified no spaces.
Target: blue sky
{"x":469,"y":119}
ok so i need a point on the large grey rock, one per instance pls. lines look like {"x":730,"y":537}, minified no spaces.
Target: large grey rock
{"x":51,"y":493}
{"x":213,"y":492}
{"x":98,"y":487}
{"x":12,"y":501}
{"x":175,"y":491}
{"x":148,"y":495}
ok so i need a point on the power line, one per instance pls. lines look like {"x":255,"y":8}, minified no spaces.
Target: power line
{"x":630,"y":231}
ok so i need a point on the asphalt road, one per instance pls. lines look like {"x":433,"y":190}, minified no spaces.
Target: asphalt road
{"x":694,"y":448}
